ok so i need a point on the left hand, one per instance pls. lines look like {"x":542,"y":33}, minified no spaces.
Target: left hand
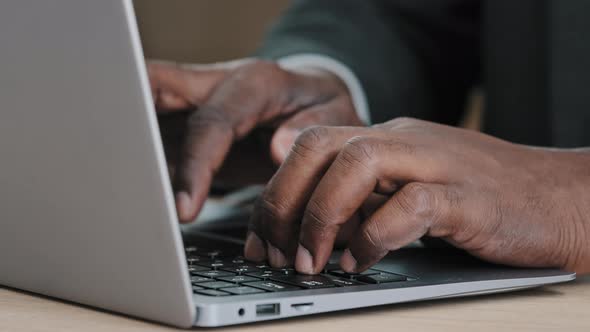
{"x":502,"y":202}
{"x":227,"y":121}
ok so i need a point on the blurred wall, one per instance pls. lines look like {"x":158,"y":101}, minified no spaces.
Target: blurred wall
{"x":215,"y":30}
{"x":204,"y":30}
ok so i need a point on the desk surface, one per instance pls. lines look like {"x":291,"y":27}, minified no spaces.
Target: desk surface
{"x":563,"y":307}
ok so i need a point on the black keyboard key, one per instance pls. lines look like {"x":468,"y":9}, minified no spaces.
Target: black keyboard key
{"x":267,"y":274}
{"x":212,"y":292}
{"x":331,"y":267}
{"x":263,"y":266}
{"x":214,"y":264}
{"x":190,"y":250}
{"x":215,"y":254}
{"x":381,"y":278}
{"x":241,"y":269}
{"x":263,"y":274}
{"x":238,"y":279}
{"x":191,"y":260}
{"x":306,"y":281}
{"x":346,"y":275}
{"x":215,"y":274}
{"x":342,"y":282}
{"x":243,"y":290}
{"x":272,"y":286}
{"x":239,"y":260}
{"x":197,"y":268}
{"x":285,"y":271}
{"x":217,"y":284}
{"x":199,"y":279}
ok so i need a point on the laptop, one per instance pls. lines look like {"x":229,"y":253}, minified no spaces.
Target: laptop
{"x":87,"y":212}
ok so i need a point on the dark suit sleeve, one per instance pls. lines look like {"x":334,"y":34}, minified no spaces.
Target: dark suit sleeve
{"x":414,"y":58}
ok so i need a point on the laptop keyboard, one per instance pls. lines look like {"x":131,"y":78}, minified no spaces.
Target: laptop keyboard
{"x":217,"y":273}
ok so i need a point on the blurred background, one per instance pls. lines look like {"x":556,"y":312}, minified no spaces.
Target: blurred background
{"x":204,"y":30}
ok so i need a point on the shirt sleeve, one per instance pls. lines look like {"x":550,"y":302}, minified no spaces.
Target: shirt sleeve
{"x":310,"y":60}
{"x":412,"y":58}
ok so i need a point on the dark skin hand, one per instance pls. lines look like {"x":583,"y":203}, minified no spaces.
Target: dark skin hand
{"x":215,"y":118}
{"x":502,"y":202}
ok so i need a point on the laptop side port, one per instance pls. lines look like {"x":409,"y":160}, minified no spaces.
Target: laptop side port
{"x":268,"y":309}
{"x":302,"y":307}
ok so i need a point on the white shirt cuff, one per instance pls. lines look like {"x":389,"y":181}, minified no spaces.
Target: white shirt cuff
{"x":357,"y":94}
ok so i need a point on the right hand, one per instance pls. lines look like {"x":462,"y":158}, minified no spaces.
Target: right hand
{"x":230,"y":100}
{"x":505,"y":203}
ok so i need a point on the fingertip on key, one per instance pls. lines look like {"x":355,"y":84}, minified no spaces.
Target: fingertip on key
{"x":304,"y":261}
{"x":348,"y":262}
{"x":276,"y":258}
{"x":254,"y":248}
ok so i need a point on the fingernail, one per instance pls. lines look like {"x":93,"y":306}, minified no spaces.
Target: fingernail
{"x":304,"y":261}
{"x":275,"y":256}
{"x":183,"y":202}
{"x":348,"y":262}
{"x":254,"y":248}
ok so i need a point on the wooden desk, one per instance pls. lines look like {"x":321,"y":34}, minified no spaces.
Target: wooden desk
{"x":563,"y":307}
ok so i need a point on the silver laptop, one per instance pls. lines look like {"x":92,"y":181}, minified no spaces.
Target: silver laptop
{"x":86,"y":208}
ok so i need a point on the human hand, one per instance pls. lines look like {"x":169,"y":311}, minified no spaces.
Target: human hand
{"x":502,"y":202}
{"x":230,"y":100}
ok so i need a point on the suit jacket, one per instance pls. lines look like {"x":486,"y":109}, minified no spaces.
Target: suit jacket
{"x":421,"y":58}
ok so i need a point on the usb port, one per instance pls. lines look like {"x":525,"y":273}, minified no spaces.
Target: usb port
{"x":268,"y":309}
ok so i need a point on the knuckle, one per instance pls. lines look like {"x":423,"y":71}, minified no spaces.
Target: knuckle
{"x":269,"y":219}
{"x":403,"y":122}
{"x":269,"y":209}
{"x":313,"y":139}
{"x":419,"y":200}
{"x":359,"y":150}
{"x":260,"y":73}
{"x":317,"y":219}
{"x":401,"y":146}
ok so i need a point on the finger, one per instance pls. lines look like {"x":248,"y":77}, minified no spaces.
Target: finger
{"x":229,"y":114}
{"x":170,"y":82}
{"x":347,"y":231}
{"x":373,"y":202}
{"x":365,"y":165}
{"x":208,"y":140}
{"x":279,"y":210}
{"x":324,"y":114}
{"x":416,"y":210}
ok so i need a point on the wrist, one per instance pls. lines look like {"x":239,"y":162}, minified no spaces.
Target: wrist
{"x":574,"y":193}
{"x":341,"y":70}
